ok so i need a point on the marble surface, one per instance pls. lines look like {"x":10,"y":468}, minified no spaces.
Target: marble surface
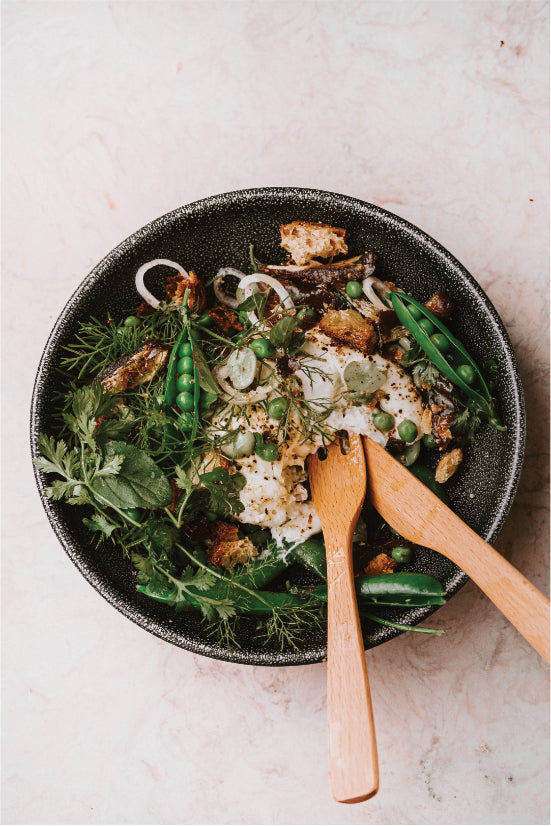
{"x":117,"y":112}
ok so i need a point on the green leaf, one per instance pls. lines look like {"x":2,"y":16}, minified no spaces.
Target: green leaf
{"x":465,"y":424}
{"x":160,"y":537}
{"x":223,"y":488}
{"x":281,"y":333}
{"x":139,"y":482}
{"x":184,"y":477}
{"x":206,"y":381}
{"x":97,"y":522}
{"x":255,"y":303}
{"x":143,"y":564}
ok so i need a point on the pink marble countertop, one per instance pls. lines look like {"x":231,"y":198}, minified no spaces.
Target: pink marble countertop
{"x":117,"y":112}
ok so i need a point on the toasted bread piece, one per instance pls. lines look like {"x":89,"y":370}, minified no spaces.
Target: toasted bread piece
{"x":351,"y":328}
{"x":227,"y":549}
{"x":380,"y":564}
{"x":448,"y":464}
{"x":305,"y":240}
{"x":177,"y":285}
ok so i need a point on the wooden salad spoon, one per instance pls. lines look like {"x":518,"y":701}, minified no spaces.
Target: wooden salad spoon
{"x":338,"y":485}
{"x":419,"y":516}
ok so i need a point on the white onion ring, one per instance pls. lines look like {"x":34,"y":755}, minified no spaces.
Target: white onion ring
{"x":222,"y":297}
{"x":140,"y":286}
{"x":368,"y":286}
{"x":262,"y":278}
{"x":253,"y":396}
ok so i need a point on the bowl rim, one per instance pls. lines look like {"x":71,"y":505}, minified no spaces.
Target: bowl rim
{"x":240,"y":197}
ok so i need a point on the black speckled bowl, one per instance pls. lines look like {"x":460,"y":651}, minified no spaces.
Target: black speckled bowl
{"x":216,"y":232}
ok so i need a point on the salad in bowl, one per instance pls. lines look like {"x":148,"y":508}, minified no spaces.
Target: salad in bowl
{"x":182,"y":429}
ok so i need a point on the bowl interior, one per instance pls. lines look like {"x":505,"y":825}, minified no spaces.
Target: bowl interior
{"x":216,"y":232}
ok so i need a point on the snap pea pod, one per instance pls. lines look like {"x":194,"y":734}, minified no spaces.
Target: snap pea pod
{"x":455,"y":351}
{"x":426,"y":476}
{"x":400,"y":590}
{"x":311,"y":554}
{"x":188,"y":418}
{"x":260,"y":571}
{"x":258,"y":603}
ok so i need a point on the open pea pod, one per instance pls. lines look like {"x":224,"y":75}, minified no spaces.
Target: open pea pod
{"x":171,"y":390}
{"x":173,"y":433}
{"x":481,"y":396}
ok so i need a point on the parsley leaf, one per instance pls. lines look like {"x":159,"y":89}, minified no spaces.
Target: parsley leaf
{"x":465,"y":424}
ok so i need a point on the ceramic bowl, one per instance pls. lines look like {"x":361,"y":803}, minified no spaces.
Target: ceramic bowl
{"x":216,"y":232}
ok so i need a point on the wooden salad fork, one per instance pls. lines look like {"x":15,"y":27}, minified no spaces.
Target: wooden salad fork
{"x":419,"y":516}
{"x":338,"y":485}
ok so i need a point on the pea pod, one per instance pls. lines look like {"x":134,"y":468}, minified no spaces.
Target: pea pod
{"x":456,"y":352}
{"x":187,"y":420}
{"x":262,"y":570}
{"x":311,"y":554}
{"x":171,"y":390}
{"x":401,"y":590}
{"x":426,"y":476}
{"x":258,"y":603}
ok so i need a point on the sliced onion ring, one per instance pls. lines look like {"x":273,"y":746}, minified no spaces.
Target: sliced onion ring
{"x":223,"y":297}
{"x":369,"y":285}
{"x":140,"y":286}
{"x":262,"y":278}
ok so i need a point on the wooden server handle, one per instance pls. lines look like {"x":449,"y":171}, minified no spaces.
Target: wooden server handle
{"x":353,"y":760}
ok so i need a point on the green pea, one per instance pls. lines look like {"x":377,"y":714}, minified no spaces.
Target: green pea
{"x":416,"y":313}
{"x":354,"y":289}
{"x":204,"y":320}
{"x":185,"y":382}
{"x":133,"y":513}
{"x":278,"y":408}
{"x":401,"y":554}
{"x":439,"y":340}
{"x":262,"y":348}
{"x":270,"y":453}
{"x":466,"y":372}
{"x":426,"y":325}
{"x":185,"y":401}
{"x":407,"y":430}
{"x":185,"y":349}
{"x":132,"y":321}
{"x":305,"y":313}
{"x":429,"y":441}
{"x":383,"y":421}
{"x":186,"y":421}
{"x":185,"y":365}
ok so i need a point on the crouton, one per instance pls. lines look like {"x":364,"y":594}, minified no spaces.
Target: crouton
{"x":305,"y":241}
{"x":351,"y":328}
{"x":448,"y":464}
{"x":225,"y":318}
{"x":177,"y":285}
{"x":227,"y":550}
{"x":426,"y":421}
{"x":380,"y":564}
